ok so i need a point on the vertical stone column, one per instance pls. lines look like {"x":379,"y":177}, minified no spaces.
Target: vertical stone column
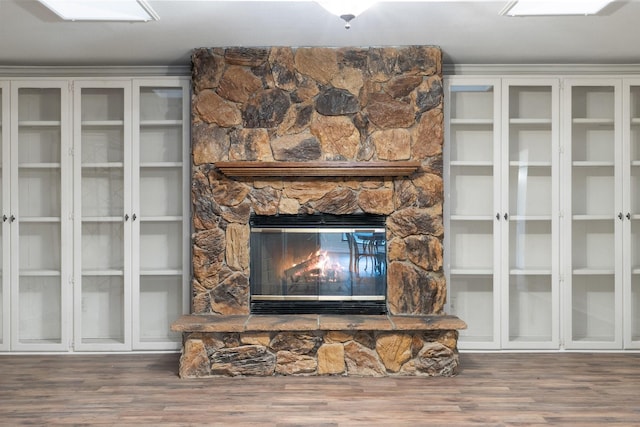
{"x":304,"y":104}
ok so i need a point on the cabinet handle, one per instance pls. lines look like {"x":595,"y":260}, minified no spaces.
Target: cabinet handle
{"x":506,"y":216}
{"x":620,"y":216}
{"x":498,"y":216}
{"x":4,"y":218}
{"x":628,"y":215}
{"x":12,"y":218}
{"x":134,"y":217}
{"x":126,"y":217}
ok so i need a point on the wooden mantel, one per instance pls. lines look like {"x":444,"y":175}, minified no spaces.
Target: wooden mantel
{"x":309,"y":169}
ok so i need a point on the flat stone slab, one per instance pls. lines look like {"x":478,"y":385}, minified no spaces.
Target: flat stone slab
{"x":313,"y":322}
{"x":291,"y":322}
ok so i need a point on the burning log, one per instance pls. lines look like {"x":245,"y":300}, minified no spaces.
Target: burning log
{"x":308,"y":270}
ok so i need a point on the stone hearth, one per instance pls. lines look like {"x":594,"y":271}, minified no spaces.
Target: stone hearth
{"x":283,"y":104}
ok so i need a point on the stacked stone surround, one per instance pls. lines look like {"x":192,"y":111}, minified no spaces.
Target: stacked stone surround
{"x":316,"y":104}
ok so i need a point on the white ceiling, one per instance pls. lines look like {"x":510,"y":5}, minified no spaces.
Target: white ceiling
{"x":469,"y":32}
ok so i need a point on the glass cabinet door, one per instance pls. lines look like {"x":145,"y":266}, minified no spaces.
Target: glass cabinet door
{"x":631,"y":214}
{"x":38,"y":218}
{"x":161,"y":170}
{"x":5,"y":277}
{"x":594,"y":292}
{"x":472,"y":152}
{"x":529,"y":215}
{"x":102,"y":135}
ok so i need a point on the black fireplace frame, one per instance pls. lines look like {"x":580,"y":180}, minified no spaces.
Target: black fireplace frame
{"x":354,"y":305}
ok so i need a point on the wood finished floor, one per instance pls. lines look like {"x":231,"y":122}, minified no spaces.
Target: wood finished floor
{"x":492,"y":389}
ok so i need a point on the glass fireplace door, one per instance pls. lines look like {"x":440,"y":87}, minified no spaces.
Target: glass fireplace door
{"x":317,"y":264}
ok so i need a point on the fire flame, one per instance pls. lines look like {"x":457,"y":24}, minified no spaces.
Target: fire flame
{"x":318,"y":265}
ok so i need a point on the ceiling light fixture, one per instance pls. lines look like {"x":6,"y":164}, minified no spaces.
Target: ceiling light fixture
{"x":553,"y":7}
{"x":102,"y":10}
{"x":345,"y":9}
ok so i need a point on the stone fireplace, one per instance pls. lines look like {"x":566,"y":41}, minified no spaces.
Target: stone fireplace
{"x":318,"y":131}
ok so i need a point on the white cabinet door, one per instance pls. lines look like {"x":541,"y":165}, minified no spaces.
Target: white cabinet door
{"x":161,"y":173}
{"x":593,"y":213}
{"x":103,"y":215}
{"x":39,"y":215}
{"x":472,"y":174}
{"x":5,"y":164}
{"x":529,"y":213}
{"x":631,"y":212}
{"x":502,"y":212}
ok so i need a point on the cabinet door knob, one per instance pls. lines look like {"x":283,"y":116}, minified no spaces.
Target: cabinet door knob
{"x":620,"y":216}
{"x":134,"y":217}
{"x":126,"y":217}
{"x":498,"y":216}
{"x":628,"y":215}
{"x":12,"y":218}
{"x":4,"y":218}
{"x":506,"y":216}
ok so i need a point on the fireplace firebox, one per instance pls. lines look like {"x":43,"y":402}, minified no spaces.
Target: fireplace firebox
{"x":318,"y":264}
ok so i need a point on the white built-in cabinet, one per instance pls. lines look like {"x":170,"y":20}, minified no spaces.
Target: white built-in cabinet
{"x":501,"y":213}
{"x":555,"y":162}
{"x":95,"y":234}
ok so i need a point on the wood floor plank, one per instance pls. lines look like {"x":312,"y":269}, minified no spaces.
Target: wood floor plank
{"x":502,"y":389}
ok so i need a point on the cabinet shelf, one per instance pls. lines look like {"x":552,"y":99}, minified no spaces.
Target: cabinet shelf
{"x":102,"y":272}
{"x":102,"y":123}
{"x":37,"y":165}
{"x":484,"y":122}
{"x":154,"y":123}
{"x":103,"y":219}
{"x":471,"y":163}
{"x":168,"y":218}
{"x":161,"y":165}
{"x":593,"y":121}
{"x":39,"y":219}
{"x":102,"y":341}
{"x":587,"y":217}
{"x":472,"y":218}
{"x":530,"y":218}
{"x":591,"y":163}
{"x":517,"y":163}
{"x":103,"y":165}
{"x":167,"y":272}
{"x":472,"y":271}
{"x":39,"y":123}
{"x":530,"y":272}
{"x":527,"y":122}
{"x":593,"y":272}
{"x":39,"y":273}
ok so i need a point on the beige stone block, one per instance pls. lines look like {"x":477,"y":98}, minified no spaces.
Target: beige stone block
{"x":215,"y":109}
{"x":378,"y":201}
{"x":337,"y":135}
{"x":394,"y":350}
{"x":289,"y":363}
{"x":194,"y":361}
{"x":288,"y":206}
{"x":331,"y":359}
{"x":237,"y":249}
{"x":337,"y":336}
{"x":349,"y":78}
{"x":318,"y":63}
{"x":392,"y":144}
{"x":255,"y":338}
{"x":362,"y":361}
